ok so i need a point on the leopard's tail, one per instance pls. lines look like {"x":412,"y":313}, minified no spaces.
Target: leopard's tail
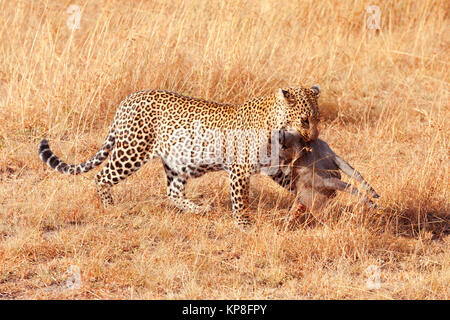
{"x":57,"y":164}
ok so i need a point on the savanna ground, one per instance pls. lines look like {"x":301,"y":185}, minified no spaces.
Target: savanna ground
{"x":385,"y":109}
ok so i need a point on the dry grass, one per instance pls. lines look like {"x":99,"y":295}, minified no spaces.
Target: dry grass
{"x":385,"y":104}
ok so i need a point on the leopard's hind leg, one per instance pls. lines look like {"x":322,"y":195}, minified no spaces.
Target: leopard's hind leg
{"x":126,"y":158}
{"x":176,"y":190}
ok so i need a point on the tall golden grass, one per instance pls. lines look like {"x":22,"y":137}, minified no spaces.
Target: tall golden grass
{"x":385,"y":107}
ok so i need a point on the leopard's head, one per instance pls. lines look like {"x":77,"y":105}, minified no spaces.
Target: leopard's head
{"x":298,"y":110}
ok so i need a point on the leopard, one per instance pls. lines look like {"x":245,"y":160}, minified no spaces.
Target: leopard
{"x":193,"y":136}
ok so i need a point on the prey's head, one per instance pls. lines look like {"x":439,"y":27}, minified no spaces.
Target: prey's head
{"x":292,"y":146}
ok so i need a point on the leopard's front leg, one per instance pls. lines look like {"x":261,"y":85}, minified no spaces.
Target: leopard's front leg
{"x":239,"y":189}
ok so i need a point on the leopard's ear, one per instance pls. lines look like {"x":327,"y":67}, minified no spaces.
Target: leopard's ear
{"x":316,"y":90}
{"x":284,"y":94}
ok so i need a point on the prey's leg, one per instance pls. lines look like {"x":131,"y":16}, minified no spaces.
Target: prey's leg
{"x":350,"y":171}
